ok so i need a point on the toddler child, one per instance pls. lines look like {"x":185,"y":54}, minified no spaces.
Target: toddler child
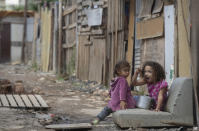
{"x":120,"y":92}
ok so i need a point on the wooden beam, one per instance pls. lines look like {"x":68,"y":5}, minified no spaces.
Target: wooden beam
{"x":55,"y":38}
{"x":60,"y":38}
{"x":12,"y":101}
{"x":70,"y":10}
{"x":129,"y":55}
{"x":41,"y":101}
{"x":71,"y":26}
{"x":70,"y":126}
{"x":19,"y":101}
{"x":194,"y":49}
{"x":4,"y":100}
{"x":24,"y":34}
{"x":26,"y":101}
{"x":69,"y":45}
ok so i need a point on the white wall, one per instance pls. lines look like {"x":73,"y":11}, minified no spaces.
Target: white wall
{"x":15,"y":53}
{"x":30,"y":29}
{"x":16,"y":32}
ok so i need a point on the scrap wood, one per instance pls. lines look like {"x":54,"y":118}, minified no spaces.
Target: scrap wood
{"x":70,"y":126}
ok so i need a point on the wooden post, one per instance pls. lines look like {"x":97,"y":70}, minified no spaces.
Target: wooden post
{"x":129,"y":55}
{"x":60,"y":39}
{"x":55,"y":39}
{"x":24,"y":34}
{"x":194,"y":53}
{"x":34,"y":45}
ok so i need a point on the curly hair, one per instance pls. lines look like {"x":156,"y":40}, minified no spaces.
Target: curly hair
{"x":159,"y":72}
{"x":120,"y":65}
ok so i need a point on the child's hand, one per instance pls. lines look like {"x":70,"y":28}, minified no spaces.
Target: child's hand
{"x":122,"y":105}
{"x":138,"y":71}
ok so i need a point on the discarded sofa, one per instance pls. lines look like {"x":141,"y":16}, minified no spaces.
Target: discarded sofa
{"x":179,"y":109}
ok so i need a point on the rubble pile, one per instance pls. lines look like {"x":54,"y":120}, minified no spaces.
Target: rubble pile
{"x":5,"y":86}
{"x":8,"y":87}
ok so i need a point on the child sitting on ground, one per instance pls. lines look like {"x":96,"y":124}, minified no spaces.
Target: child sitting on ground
{"x":153,"y":74}
{"x":120,"y":92}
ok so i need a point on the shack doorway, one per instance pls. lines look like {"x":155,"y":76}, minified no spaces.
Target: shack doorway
{"x":4,"y":42}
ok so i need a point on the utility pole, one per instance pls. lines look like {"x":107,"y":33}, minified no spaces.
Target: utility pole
{"x":24,"y":34}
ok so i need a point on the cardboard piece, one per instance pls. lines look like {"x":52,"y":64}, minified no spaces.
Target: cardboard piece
{"x":150,"y":28}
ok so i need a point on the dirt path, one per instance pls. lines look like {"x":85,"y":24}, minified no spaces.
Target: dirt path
{"x":67,"y":105}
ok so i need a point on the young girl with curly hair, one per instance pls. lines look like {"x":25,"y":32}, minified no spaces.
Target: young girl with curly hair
{"x":153,"y":74}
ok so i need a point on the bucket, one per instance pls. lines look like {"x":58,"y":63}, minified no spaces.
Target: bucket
{"x":144,"y":102}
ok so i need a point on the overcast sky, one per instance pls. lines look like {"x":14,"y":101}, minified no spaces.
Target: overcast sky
{"x":12,"y":2}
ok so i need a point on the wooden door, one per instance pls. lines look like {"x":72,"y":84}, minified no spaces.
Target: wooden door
{"x":5,"y":42}
{"x":83,"y":57}
{"x":97,"y":60}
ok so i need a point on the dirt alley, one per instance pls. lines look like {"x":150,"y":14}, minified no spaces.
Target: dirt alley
{"x":67,"y":105}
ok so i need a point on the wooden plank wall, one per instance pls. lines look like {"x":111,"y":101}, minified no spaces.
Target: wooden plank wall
{"x":115,"y":36}
{"x":91,"y":43}
{"x":153,"y":50}
{"x":69,"y":43}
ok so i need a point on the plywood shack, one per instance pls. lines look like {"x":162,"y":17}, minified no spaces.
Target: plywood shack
{"x":15,"y":19}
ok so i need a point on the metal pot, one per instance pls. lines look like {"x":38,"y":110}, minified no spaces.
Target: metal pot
{"x":144,"y":102}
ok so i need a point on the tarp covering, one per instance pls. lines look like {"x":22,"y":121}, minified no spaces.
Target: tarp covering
{"x":6,"y":13}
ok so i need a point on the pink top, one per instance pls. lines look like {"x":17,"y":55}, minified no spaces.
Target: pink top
{"x":154,"y":90}
{"x":120,"y":90}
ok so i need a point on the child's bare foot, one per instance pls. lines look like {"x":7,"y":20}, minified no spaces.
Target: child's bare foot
{"x":95,"y":121}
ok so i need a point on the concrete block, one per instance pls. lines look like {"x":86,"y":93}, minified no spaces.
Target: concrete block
{"x":140,"y":118}
{"x":179,"y":109}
